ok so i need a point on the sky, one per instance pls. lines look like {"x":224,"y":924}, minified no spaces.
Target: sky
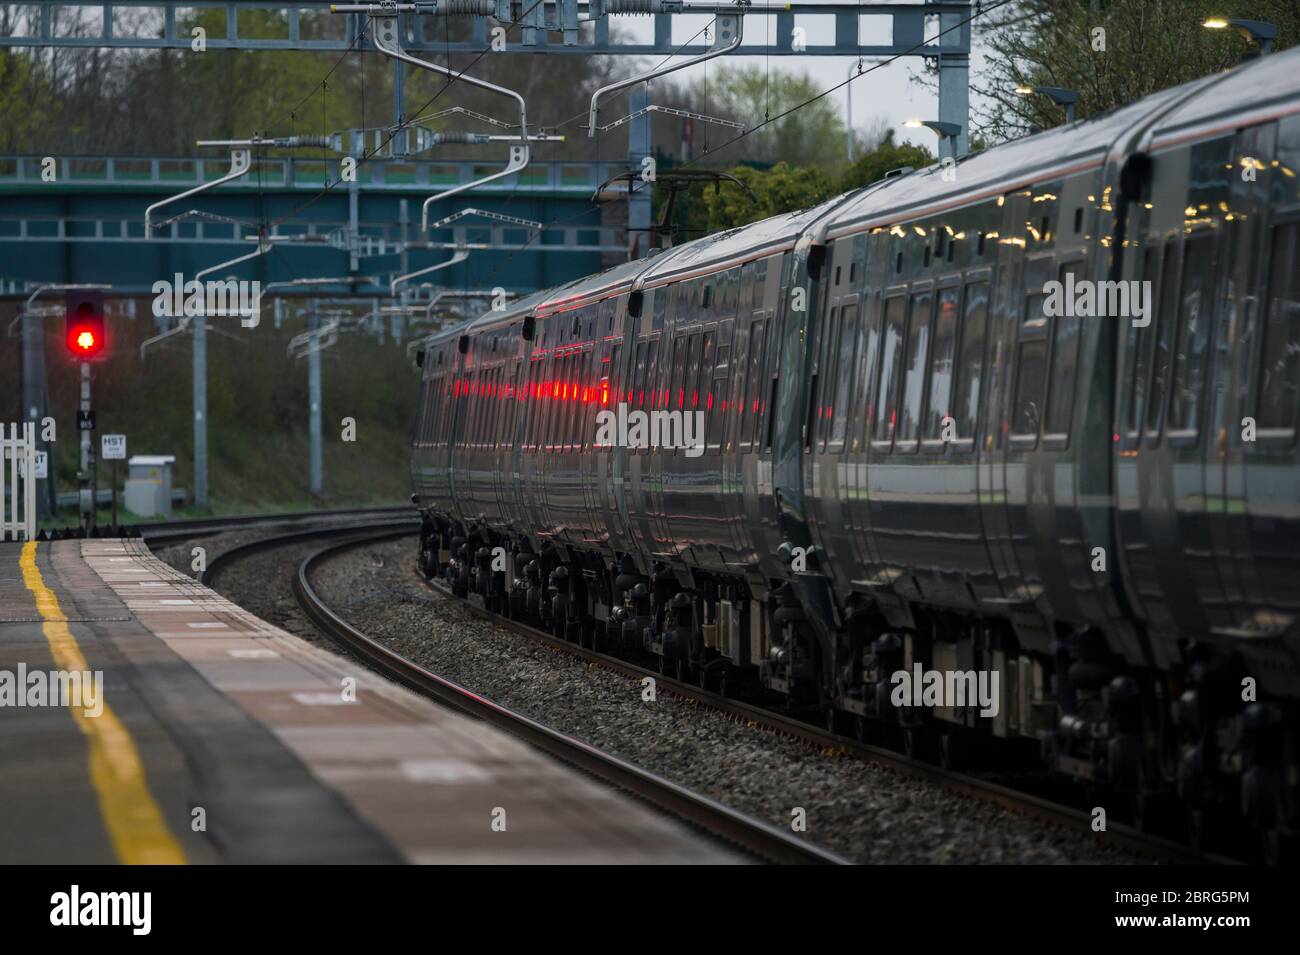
{"x":887,"y":92}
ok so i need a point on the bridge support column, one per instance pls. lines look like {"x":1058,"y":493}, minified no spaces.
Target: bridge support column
{"x":954,"y":86}
{"x":638,"y":147}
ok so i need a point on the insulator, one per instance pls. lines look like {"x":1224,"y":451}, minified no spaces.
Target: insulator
{"x":322,"y":141}
{"x":633,"y":6}
{"x":477,"y":8}
{"x":460,"y":138}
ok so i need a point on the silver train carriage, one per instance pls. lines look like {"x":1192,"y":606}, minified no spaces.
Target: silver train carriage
{"x":1031,"y":414}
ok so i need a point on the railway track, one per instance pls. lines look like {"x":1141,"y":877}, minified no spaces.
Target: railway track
{"x":753,"y":835}
{"x":745,"y":832}
{"x":1155,"y":847}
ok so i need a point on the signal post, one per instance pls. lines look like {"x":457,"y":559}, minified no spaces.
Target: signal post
{"x":85,"y":340}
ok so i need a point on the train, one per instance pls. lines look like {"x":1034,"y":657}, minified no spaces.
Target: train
{"x":1029,"y":413}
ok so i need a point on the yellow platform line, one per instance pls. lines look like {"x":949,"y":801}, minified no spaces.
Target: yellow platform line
{"x":134,"y":822}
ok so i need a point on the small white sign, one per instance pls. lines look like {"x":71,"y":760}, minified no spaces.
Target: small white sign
{"x":41,"y":469}
{"x":112,"y":447}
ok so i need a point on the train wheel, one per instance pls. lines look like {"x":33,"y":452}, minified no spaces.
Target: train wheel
{"x":722,"y":681}
{"x":702,"y":678}
{"x":663,"y":665}
{"x":831,"y":719}
{"x":683,"y":670}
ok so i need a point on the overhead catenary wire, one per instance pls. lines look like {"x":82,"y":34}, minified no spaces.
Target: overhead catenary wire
{"x":979,"y":11}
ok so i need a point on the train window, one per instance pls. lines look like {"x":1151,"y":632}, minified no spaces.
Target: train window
{"x":708,"y":357}
{"x":1030,"y":381}
{"x":754,"y":395}
{"x":1139,"y":342}
{"x":966,"y":391}
{"x":674,"y":393}
{"x":1197,"y":312}
{"x":1280,"y":374}
{"x":1167,"y":320}
{"x":941,"y":360}
{"x":586,"y":407}
{"x":1078,"y":220}
{"x":891,"y":363}
{"x":736,"y":408}
{"x":863,"y":405}
{"x":1065,"y":364}
{"x":845,"y":372}
{"x":572,"y":400}
{"x":636,"y":398}
{"x":613,"y":374}
{"x":815,"y":427}
{"x":918,"y":342}
{"x":688,"y":394}
{"x":979,"y":247}
{"x":659,"y":307}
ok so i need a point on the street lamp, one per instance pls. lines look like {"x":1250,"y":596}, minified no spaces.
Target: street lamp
{"x":948,"y":133}
{"x":1061,"y":97}
{"x":1256,"y":31}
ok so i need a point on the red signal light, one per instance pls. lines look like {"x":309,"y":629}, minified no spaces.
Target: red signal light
{"x":84,"y":333}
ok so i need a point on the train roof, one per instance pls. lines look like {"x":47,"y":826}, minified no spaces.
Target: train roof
{"x":735,"y":246}
{"x":1061,"y":151}
{"x":593,"y":288}
{"x":1206,"y":103}
{"x":1257,"y":91}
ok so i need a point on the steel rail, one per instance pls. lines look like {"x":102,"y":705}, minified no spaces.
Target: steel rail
{"x":753,"y":835}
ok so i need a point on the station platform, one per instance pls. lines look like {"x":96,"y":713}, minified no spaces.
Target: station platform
{"x":217,"y":737}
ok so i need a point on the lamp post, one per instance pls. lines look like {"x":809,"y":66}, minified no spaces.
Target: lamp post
{"x":1061,"y":97}
{"x":1260,"y":32}
{"x":948,"y":133}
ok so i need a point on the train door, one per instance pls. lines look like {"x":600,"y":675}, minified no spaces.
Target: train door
{"x":668,"y":379}
{"x":1004,"y":327}
{"x":598,"y":462}
{"x":511,"y":436}
{"x":1189,"y":443}
{"x":1259,"y":266}
{"x":760,"y":490}
{"x":734,"y":436}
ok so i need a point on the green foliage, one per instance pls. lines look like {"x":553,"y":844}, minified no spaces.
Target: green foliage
{"x":886,"y":157}
{"x":788,"y":188}
{"x":782,"y":188}
{"x":1150,"y":45}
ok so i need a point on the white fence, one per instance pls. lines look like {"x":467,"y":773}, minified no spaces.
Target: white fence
{"x":18,"y":469}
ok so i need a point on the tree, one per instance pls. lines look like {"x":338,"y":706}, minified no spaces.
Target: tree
{"x":782,"y":188}
{"x":785,"y":187}
{"x":884,"y":158}
{"x":787,"y":118}
{"x":1112,"y":53}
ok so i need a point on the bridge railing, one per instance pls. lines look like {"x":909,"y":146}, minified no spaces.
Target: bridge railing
{"x":173,"y":173}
